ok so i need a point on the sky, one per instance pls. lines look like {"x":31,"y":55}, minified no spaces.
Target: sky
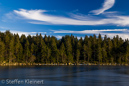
{"x":65,"y":17}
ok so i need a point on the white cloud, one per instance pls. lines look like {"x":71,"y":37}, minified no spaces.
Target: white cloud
{"x":58,"y":37}
{"x":40,"y":17}
{"x":25,"y":33}
{"x":90,"y":31}
{"x":123,"y":33}
{"x":4,"y":28}
{"x":106,"y":5}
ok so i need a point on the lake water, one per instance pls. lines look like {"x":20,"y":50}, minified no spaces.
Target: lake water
{"x":64,"y":75}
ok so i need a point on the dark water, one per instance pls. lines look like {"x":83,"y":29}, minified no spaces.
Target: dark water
{"x":66,"y":75}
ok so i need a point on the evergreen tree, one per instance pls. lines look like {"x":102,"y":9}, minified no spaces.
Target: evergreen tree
{"x":89,"y":51}
{"x":55,"y":52}
{"x":84,"y":52}
{"x":109,"y":51}
{"x":20,"y":54}
{"x":48,"y":55}
{"x":62,"y":53}
{"x":99,"y":39}
{"x":99,"y":53}
{"x":77,"y":55}
{"x":2,"y":51}
{"x":12,"y":57}
{"x":7,"y":42}
{"x":32,"y":57}
{"x":104,"y":52}
{"x":127,"y":54}
{"x":16,"y":47}
{"x":94,"y":52}
{"x":43,"y":51}
{"x":26,"y":51}
{"x":68,"y":49}
{"x":86,"y":40}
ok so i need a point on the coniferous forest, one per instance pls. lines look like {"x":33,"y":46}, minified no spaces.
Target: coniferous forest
{"x":68,"y":49}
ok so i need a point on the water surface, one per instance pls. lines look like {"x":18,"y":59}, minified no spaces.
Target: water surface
{"x":67,"y":75}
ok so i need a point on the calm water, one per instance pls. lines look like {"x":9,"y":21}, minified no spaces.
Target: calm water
{"x":67,"y":75}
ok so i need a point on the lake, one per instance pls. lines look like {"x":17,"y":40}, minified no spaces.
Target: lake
{"x":64,"y":75}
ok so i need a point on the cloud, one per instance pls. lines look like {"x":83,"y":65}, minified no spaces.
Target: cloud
{"x":40,"y":17}
{"x":25,"y":33}
{"x":106,"y":5}
{"x":113,"y":32}
{"x":59,"y":37}
{"x":123,"y":33}
{"x":89,"y":31}
{"x":20,"y":33}
{"x":4,"y":28}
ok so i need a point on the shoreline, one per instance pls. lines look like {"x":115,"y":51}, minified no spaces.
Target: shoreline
{"x":54,"y":64}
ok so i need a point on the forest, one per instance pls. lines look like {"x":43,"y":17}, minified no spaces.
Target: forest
{"x":68,"y":49}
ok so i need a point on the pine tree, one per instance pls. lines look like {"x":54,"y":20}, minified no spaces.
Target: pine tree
{"x":89,"y":51}
{"x":94,"y":42}
{"x":86,"y":40}
{"x":26,"y":51}
{"x":7,"y":42}
{"x":62,"y":53}
{"x":46,"y":39}
{"x":20,"y":54}
{"x":99,"y":39}
{"x":32,"y":57}
{"x":48,"y":55}
{"x":104,"y":52}
{"x":99,"y":53}
{"x":68,"y":49}
{"x":77,"y":56}
{"x":55,"y":52}
{"x":16,"y":47}
{"x":2,"y":51}
{"x":43,"y":51}
{"x":84,"y":52}
{"x":109,"y":51}
{"x":127,"y":54}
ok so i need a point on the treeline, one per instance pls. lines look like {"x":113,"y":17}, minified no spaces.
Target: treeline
{"x":69,"y":49}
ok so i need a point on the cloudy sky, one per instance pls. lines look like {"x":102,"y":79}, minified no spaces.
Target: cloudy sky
{"x":65,"y":17}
